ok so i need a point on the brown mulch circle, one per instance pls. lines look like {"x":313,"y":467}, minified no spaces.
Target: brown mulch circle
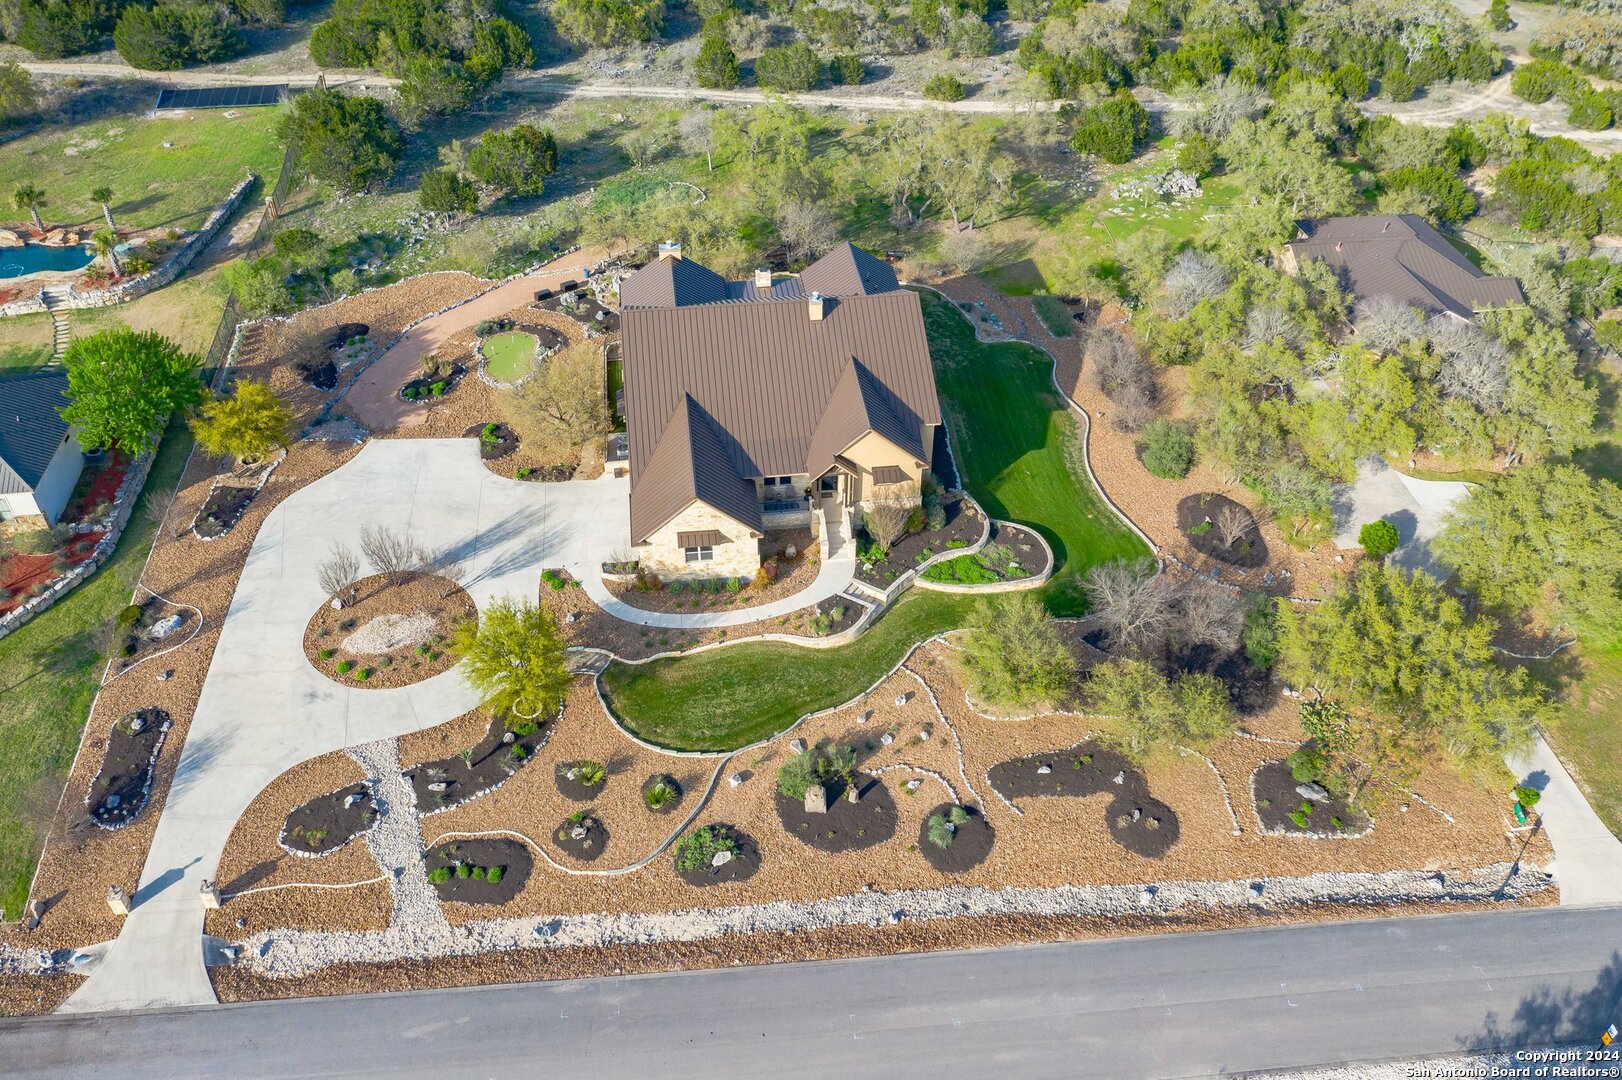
{"x":1273,"y":788}
{"x":671,"y":783}
{"x":487,"y":765}
{"x":423,"y":385}
{"x":589,"y":844}
{"x":437,"y":596}
{"x":1137,"y":821}
{"x":574,"y":789}
{"x":496,"y":440}
{"x":743,"y":865}
{"x":963,"y":522}
{"x":847,"y":826}
{"x":971,"y":843}
{"x":1193,"y":511}
{"x":511,"y":856}
{"x":326,"y":824}
{"x":222,"y":509}
{"x":124,"y":783}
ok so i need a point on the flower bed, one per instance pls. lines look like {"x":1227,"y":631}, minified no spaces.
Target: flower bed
{"x":124,"y":785}
{"x":716,"y":854}
{"x":1137,"y":821}
{"x":328,"y":822}
{"x":148,"y":628}
{"x":388,"y":634}
{"x":967,"y":834}
{"x":25,"y":576}
{"x":480,"y":769}
{"x":781,"y":574}
{"x":844,"y":825}
{"x":496,"y":440}
{"x":1286,"y":811}
{"x":581,"y":836}
{"x":479,"y":871}
{"x":428,"y":388}
{"x":963,"y":526}
{"x":1220,"y":528}
{"x":1013,"y":553}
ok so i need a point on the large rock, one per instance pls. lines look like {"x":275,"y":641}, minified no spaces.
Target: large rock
{"x":816,"y":799}
{"x":9,"y":239}
{"x":1315,"y":792}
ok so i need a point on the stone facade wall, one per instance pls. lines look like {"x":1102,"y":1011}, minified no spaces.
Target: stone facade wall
{"x":130,"y":289}
{"x":662,"y":555}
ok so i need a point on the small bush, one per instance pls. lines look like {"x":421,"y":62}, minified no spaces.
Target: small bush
{"x":1306,"y":763}
{"x":1337,"y":823}
{"x":659,"y":795}
{"x":437,"y":388}
{"x":463,"y":870}
{"x":41,"y":541}
{"x":1168,"y":449}
{"x":590,"y":773}
{"x":1299,"y":817}
{"x":345,"y":667}
{"x":944,"y":87}
{"x":698,"y":849}
{"x":326,"y":654}
{"x":734,"y":584}
{"x":477,"y":873}
{"x":1378,"y":538}
{"x":439,"y":875}
{"x":845,"y":70}
{"x":493,"y":874}
{"x":1528,"y":796}
{"x":363,"y":674}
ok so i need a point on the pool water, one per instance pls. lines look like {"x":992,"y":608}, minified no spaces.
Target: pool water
{"x":32,"y":258}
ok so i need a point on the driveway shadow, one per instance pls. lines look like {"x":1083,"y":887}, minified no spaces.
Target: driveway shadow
{"x":163,"y":881}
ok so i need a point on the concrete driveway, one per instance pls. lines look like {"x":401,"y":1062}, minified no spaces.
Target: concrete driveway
{"x":264,"y":709}
{"x":1416,"y":507}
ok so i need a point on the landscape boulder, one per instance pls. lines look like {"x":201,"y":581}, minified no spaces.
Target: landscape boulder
{"x":816,"y":799}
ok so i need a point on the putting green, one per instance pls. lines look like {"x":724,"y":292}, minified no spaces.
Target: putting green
{"x":510,"y":356}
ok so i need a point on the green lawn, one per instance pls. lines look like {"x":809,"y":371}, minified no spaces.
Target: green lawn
{"x":1017,"y":448}
{"x":165,"y":173}
{"x":510,"y":356}
{"x":616,"y":383}
{"x":25,"y":344}
{"x":49,"y":672}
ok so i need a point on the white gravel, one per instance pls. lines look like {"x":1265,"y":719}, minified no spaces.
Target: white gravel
{"x":396,"y":844}
{"x":288,"y":954}
{"x":388,"y":633}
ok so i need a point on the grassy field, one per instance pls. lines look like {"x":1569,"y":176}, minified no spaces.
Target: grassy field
{"x":187,"y":312}
{"x":165,"y":173}
{"x":25,"y":344}
{"x":49,"y":673}
{"x":1017,"y":447}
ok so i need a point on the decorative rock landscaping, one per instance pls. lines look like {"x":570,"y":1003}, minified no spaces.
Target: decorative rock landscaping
{"x":716,"y":854}
{"x":328,"y":822}
{"x":388,"y":634}
{"x":124,"y":785}
{"x":1286,"y":807}
{"x":836,"y":824}
{"x":581,"y":836}
{"x":450,"y":782}
{"x":222,"y":509}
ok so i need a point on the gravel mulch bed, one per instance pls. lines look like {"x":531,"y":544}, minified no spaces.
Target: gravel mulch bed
{"x":496,"y":440}
{"x":963,"y":524}
{"x":581,"y":836}
{"x":254,"y":858}
{"x":35,"y":995}
{"x":741,"y":864}
{"x":971,"y":841}
{"x":1137,"y":820}
{"x":222,"y":510}
{"x":846,"y":826}
{"x":671,"y":784}
{"x":452,"y":780}
{"x":793,"y":575}
{"x":434,"y":388}
{"x":511,"y":857}
{"x":124,"y":783}
{"x":396,"y":633}
{"x":1197,"y":516}
{"x":140,"y":641}
{"x":328,"y":822}
{"x":1277,"y":800}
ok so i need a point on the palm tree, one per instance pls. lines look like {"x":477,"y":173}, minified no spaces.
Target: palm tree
{"x":104,"y":195}
{"x":30,"y":198}
{"x":106,"y":245}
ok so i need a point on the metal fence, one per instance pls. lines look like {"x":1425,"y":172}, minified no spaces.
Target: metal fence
{"x":220,"y":348}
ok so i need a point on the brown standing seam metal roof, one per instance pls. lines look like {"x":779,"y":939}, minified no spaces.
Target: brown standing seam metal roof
{"x":1403,"y":257}
{"x":888,"y":474}
{"x":761,"y":377}
{"x":31,"y":428}
{"x":689,"y":465}
{"x":705,"y":538}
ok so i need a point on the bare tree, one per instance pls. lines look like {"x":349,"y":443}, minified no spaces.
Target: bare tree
{"x":1475,"y":366}
{"x":1215,"y":108}
{"x":1193,"y":277}
{"x":1386,"y":323}
{"x":1271,"y":322}
{"x":1124,"y":376}
{"x":807,"y":229}
{"x":1131,"y":602}
{"x":886,"y":521}
{"x":696,"y":130}
{"x":1208,"y":614}
{"x":1232,"y":523}
{"x":564,"y":407}
{"x":392,"y":554}
{"x":339,"y":570}
{"x":966,"y":251}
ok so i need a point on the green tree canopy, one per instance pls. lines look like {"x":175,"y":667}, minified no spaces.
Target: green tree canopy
{"x":1547,"y":537}
{"x":122,"y":383}
{"x":248,"y":422}
{"x":18,"y":94}
{"x":1113,"y":128}
{"x":1416,"y":675}
{"x":716,"y":65}
{"x":599,"y":24}
{"x":1014,"y":658}
{"x":514,"y":655}
{"x":1378,"y":538}
{"x":444,"y":190}
{"x":518,"y":159}
{"x":789,"y":68}
{"x":349,"y":142}
{"x":1145,"y":711}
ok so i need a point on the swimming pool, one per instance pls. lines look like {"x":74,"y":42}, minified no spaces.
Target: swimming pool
{"x":32,"y":258}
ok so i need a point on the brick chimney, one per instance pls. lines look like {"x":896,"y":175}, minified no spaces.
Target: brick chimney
{"x":669,"y":249}
{"x":763,"y":277}
{"x":818,"y":306}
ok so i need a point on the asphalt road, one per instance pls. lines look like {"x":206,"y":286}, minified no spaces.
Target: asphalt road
{"x":1171,"y":1006}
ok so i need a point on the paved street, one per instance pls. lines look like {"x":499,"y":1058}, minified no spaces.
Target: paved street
{"x":1172,"y":1006}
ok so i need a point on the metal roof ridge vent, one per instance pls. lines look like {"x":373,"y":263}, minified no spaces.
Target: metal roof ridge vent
{"x":763,"y":277}
{"x":817,"y":305}
{"x":669,"y":249}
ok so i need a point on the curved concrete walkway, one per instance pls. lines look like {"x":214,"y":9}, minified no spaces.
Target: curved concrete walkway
{"x":1588,"y":858}
{"x":834,"y":576}
{"x":264,"y":709}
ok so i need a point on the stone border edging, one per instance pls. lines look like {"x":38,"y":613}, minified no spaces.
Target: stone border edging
{"x":198,"y":629}
{"x":264,"y":478}
{"x":481,"y":367}
{"x":1016,"y":585}
{"x":146,"y":788}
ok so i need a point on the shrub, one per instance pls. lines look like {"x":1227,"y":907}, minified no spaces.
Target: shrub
{"x":1590,"y":111}
{"x":1608,"y":333}
{"x":944,"y":87}
{"x":1379,"y":538}
{"x":363,"y":674}
{"x":437,"y":388}
{"x":477,"y":873}
{"x":1498,"y":16}
{"x":1300,"y":818}
{"x":734,"y":584}
{"x":845,"y":70}
{"x":445,"y":191}
{"x":1528,"y":796}
{"x":658,"y":795}
{"x":1261,"y":631}
{"x":788,"y":68}
{"x":1306,"y":763}
{"x":494,"y":874}
{"x":817,"y":765}
{"x":943,"y":827}
{"x":1168,"y":449}
{"x":463,"y":870}
{"x":439,"y":875}
{"x":347,"y":141}
{"x":345,"y":667}
{"x":326,"y":654}
{"x":517,"y":160}
{"x":1112,"y":129}
{"x":716,"y":65}
{"x":129,"y":616}
{"x":1197,"y":156}
{"x":698,"y":849}
{"x":589,"y":773}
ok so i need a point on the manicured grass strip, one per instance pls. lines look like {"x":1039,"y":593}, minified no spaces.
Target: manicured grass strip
{"x":26,"y":342}
{"x":49,"y":673}
{"x":510,"y":356}
{"x":1585,"y":734}
{"x":616,"y":383}
{"x":1017,"y":447}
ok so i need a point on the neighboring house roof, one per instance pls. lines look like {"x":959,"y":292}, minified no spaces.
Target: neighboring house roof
{"x":1403,"y":257}
{"x":31,"y":428}
{"x":779,"y":392}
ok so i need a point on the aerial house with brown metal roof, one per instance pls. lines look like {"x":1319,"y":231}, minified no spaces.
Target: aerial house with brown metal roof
{"x":764,"y":404}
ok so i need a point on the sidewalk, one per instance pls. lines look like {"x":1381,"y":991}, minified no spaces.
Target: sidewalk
{"x":1588,"y":858}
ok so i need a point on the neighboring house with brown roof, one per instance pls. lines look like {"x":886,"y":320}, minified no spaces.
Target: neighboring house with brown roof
{"x":1403,"y":257}
{"x":40,"y":459}
{"x":753,"y":405}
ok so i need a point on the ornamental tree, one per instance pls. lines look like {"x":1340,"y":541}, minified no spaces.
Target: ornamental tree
{"x":248,"y":422}
{"x":1378,"y":538}
{"x":514,"y":655}
{"x":122,"y":383}
{"x":1014,"y":657}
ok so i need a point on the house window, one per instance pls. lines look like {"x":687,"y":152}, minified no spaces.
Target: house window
{"x":779,"y":481}
{"x":698,"y":554}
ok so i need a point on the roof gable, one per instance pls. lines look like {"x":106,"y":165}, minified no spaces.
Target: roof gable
{"x":690,"y":465}
{"x":859,"y":404}
{"x":31,"y":428}
{"x":847,"y":270}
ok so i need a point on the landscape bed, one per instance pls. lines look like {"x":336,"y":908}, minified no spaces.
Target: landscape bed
{"x":392,"y":631}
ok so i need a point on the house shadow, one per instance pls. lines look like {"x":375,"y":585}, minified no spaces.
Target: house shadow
{"x":1551,"y":1018}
